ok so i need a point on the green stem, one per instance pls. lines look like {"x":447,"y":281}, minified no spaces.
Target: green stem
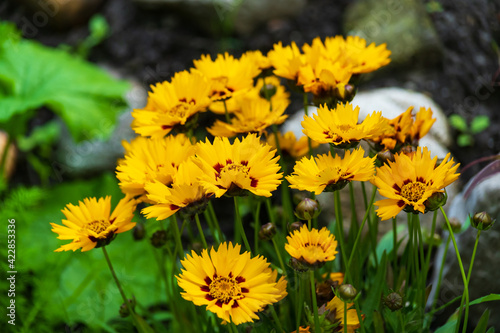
{"x":276,"y":318}
{"x":360,"y":318}
{"x":200,"y":231}
{"x":309,"y":141}
{"x":211,"y":225}
{"x":285,"y":191}
{"x":278,"y":253}
{"x":177,"y":235}
{"x":256,"y":226}
{"x":468,"y":280}
{"x":340,"y":230}
{"x":215,"y":220}
{"x":233,"y":328}
{"x":444,"y":306}
{"x":270,"y":210}
{"x":317,"y":327}
{"x":226,"y":113}
{"x":462,"y":271}
{"x":429,"y":250}
{"x":422,"y":272}
{"x":440,"y":277}
{"x":345,"y":317}
{"x":239,"y":224}
{"x":298,"y":277}
{"x":118,"y":285}
{"x":395,"y":250}
{"x":400,"y":316}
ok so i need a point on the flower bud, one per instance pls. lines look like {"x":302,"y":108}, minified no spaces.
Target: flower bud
{"x":297,"y":265}
{"x":267,"y":231}
{"x":455,"y":224}
{"x":345,"y":93}
{"x":407,"y":150}
{"x":139,"y":231}
{"x":124,"y":309}
{"x":482,"y":221}
{"x":159,"y":238}
{"x":436,"y":200}
{"x":385,"y":156}
{"x":267,"y":91}
{"x":295,"y":226}
{"x":394,"y":301}
{"x":307,"y":209}
{"x":347,"y":292}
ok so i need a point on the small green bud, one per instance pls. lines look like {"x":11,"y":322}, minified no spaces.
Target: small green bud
{"x":159,"y":238}
{"x":139,"y":231}
{"x":347,"y":292}
{"x":394,"y":301}
{"x":455,"y":224}
{"x":346,"y":94}
{"x":436,"y":200}
{"x":307,"y":209}
{"x":267,"y":231}
{"x":268,"y":91}
{"x":482,"y":221}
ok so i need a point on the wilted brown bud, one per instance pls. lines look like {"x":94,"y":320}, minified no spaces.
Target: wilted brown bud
{"x":385,"y":156}
{"x":482,"y":221}
{"x":139,"y":231}
{"x":307,"y":209}
{"x":347,"y":292}
{"x":394,"y":301}
{"x":267,"y":231}
{"x":159,"y":238}
{"x":407,"y":150}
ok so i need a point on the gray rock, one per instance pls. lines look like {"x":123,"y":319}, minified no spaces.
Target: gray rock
{"x":404,"y":25}
{"x":482,"y":193}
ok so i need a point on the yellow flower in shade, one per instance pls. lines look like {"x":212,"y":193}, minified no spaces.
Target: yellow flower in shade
{"x":325,"y":173}
{"x":91,"y":224}
{"x":231,"y":284}
{"x":254,"y":117}
{"x":340,"y":126}
{"x":286,"y":60}
{"x":184,"y":194}
{"x":172,"y":104}
{"x":234,"y":169}
{"x":149,"y":159}
{"x":290,"y":145}
{"x":312,"y":247}
{"x":410,"y":180}
{"x":321,"y":79}
{"x":336,"y":307}
{"x":303,"y":330}
{"x":229,"y":77}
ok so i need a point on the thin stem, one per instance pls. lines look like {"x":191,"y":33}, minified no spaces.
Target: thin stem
{"x":444,"y":306}
{"x":395,"y":250}
{"x":309,"y":141}
{"x":340,"y":230}
{"x":178,"y":243}
{"x":256,"y":227}
{"x":200,"y":231}
{"x":239,"y":224}
{"x":276,"y":318}
{"x":270,"y":210}
{"x":226,"y":113}
{"x":314,"y":303}
{"x":462,"y":271}
{"x":422,"y":271}
{"x":298,"y":277}
{"x":440,"y":277}
{"x":429,"y":250}
{"x":118,"y":285}
{"x":211,"y":225}
{"x":278,"y":253}
{"x":468,"y":280}
{"x":360,"y":318}
{"x":345,"y":317}
{"x":233,"y":328}
{"x":215,"y":220}
{"x":400,"y":316}
{"x":285,"y":191}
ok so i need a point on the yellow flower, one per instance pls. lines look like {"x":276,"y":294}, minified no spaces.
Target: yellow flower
{"x":327,"y":173}
{"x":232,"y":285}
{"x":422,"y":124}
{"x":303,"y":330}
{"x":172,"y":104}
{"x":290,"y":145}
{"x":410,"y":180}
{"x":233,"y":169}
{"x":286,"y":60}
{"x":336,"y":307}
{"x":340,"y":126}
{"x":149,"y":159}
{"x":90,"y":224}
{"x":254,"y":117}
{"x":184,"y":194}
{"x":312,"y":247}
{"x":229,"y":76}
{"x":260,"y":61}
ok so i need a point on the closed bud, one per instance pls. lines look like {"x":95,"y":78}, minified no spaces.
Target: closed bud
{"x":455,"y":224}
{"x":345,"y":93}
{"x":408,"y":150}
{"x":436,"y":200}
{"x":295,"y":226}
{"x":347,"y":292}
{"x":267,"y":231}
{"x":394,"y":301}
{"x":385,"y":156}
{"x":139,"y":231}
{"x":307,"y":209}
{"x":482,"y":221}
{"x":159,"y":238}
{"x":267,"y":91}
{"x":124,"y":309}
{"x":297,"y":265}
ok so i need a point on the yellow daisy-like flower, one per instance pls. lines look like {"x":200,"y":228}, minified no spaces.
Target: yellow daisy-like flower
{"x":336,"y":307}
{"x":172,"y":104}
{"x":312,"y":247}
{"x":184,"y":194}
{"x":289,"y":144}
{"x":340,"y":126}
{"x":231,"y":284}
{"x":233,"y":169}
{"x":286,"y":60}
{"x":410,"y":180}
{"x":255,"y":116}
{"x":303,"y":330}
{"x":91,"y":224}
{"x":229,"y":77}
{"x":258,"y":59}
{"x":327,"y":173}
{"x":149,"y":159}
{"x":422,"y":124}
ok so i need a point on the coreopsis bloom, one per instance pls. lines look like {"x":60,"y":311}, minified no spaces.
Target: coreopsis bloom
{"x":286,"y":60}
{"x":303,"y":330}
{"x":231,"y":284}
{"x":185,"y":193}
{"x":313,"y":247}
{"x":149,"y":159}
{"x":422,"y":124}
{"x":409,"y":181}
{"x":336,"y":307}
{"x":325,"y":173}
{"x":289,"y":144}
{"x":172,"y":104}
{"x":340,"y":126}
{"x":258,"y":59}
{"x":229,"y":77}
{"x":234,"y":169}
{"x":255,"y":116}
{"x":91,"y":224}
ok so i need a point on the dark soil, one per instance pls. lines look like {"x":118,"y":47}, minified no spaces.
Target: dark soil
{"x":150,"y":45}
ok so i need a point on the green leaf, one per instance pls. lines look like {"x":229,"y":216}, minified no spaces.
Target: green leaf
{"x":84,"y":96}
{"x":41,"y":135}
{"x":482,"y":325}
{"x":479,"y":124}
{"x":488,"y":298}
{"x":465,"y":140}
{"x":458,"y":122}
{"x":450,"y":325}
{"x":374,"y":298}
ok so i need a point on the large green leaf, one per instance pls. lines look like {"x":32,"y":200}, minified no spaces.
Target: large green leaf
{"x":83,"y":95}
